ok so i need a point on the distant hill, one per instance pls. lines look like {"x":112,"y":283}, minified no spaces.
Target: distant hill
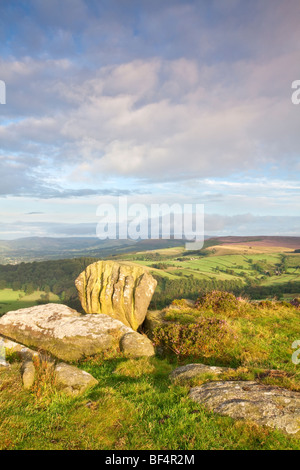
{"x":47,"y":248}
{"x":263,"y":241}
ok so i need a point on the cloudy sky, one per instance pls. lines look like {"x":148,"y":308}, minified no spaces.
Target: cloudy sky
{"x":174,"y":101}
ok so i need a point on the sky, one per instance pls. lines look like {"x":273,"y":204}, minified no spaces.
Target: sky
{"x":174,"y":101}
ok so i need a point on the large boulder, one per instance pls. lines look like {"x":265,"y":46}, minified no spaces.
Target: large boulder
{"x":120,"y":290}
{"x":65,"y":333}
{"x":264,"y":404}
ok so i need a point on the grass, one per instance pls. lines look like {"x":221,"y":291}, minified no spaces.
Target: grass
{"x":222,"y":264}
{"x":146,"y":412}
{"x":136,"y":406}
{"x":13,"y":300}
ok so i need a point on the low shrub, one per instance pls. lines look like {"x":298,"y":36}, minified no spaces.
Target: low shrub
{"x":179,"y":303}
{"x":296,"y":302}
{"x":218,"y":301}
{"x":208,"y":338}
{"x":266,"y":304}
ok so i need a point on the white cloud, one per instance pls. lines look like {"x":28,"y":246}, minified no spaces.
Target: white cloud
{"x":183,"y":93}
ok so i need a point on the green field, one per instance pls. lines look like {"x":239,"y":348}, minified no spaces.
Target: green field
{"x":224,"y":267}
{"x":13,"y":300}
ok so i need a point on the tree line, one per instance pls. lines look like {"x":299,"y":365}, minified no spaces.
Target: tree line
{"x":58,"y":276}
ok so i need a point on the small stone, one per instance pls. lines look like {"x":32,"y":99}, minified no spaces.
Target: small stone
{"x":28,"y":374}
{"x":193,"y":370}
{"x":22,"y":351}
{"x":72,"y":380}
{"x":136,"y":345}
{"x":3,"y":363}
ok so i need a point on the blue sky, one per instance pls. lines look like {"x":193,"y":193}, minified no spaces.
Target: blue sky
{"x":173,"y":101}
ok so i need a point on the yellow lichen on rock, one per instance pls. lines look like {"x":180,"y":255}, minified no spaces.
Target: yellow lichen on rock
{"x":120,"y":290}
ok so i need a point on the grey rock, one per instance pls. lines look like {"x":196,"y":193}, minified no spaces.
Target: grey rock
{"x":3,"y":363}
{"x":263,"y":404}
{"x":28,"y":374}
{"x":136,"y":345}
{"x":193,"y":370}
{"x":154,"y":319}
{"x":22,"y":351}
{"x":63,"y":332}
{"x":72,"y":380}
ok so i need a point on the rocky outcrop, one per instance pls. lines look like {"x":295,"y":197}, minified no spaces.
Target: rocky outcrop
{"x":122,"y":291}
{"x":195,"y":370}
{"x":263,"y":404}
{"x":63,"y":332}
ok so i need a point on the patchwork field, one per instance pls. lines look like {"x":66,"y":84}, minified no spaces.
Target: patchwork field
{"x":245,"y":267}
{"x":266,"y":266}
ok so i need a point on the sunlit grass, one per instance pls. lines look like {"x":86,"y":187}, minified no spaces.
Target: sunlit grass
{"x":14,"y":300}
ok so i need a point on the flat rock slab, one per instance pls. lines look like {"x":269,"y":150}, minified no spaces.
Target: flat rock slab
{"x":122,"y":291}
{"x":194,"y":370}
{"x":63,"y":332}
{"x":263,"y":404}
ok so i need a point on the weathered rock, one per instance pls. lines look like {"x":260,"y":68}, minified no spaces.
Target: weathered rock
{"x":135,"y":345}
{"x":28,"y":374}
{"x":72,"y":380}
{"x":193,"y":370}
{"x":154,"y":319}
{"x":122,"y":291}
{"x":3,"y":362}
{"x":22,"y":351}
{"x":263,"y":404}
{"x":63,"y":332}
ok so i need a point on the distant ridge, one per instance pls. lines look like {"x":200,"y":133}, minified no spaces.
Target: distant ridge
{"x":46,"y":248}
{"x":284,"y":241}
